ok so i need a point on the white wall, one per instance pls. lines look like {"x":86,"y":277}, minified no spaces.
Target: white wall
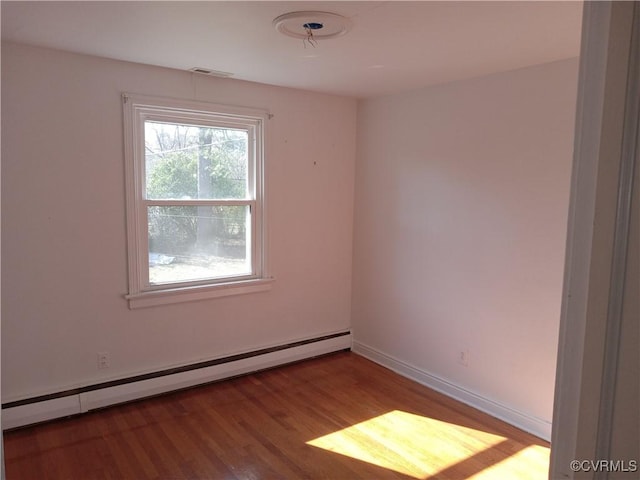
{"x":461,"y":205}
{"x":64,"y":269}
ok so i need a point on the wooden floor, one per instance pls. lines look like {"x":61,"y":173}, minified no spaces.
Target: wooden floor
{"x":335,"y":417}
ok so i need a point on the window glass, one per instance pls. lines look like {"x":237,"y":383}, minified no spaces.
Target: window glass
{"x":195,"y":162}
{"x":192,"y":243}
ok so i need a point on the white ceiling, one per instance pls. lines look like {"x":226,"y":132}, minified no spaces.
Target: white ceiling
{"x":392,"y":46}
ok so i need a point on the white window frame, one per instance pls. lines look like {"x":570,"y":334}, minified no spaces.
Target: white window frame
{"x":137,"y":110}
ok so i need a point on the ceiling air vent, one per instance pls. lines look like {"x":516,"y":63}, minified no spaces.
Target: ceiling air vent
{"x":213,"y":73}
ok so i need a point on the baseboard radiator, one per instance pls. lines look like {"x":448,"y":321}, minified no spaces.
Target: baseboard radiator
{"x":80,"y":400}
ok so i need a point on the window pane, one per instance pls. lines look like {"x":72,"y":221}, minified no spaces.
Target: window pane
{"x":191,"y":162}
{"x":189,"y":243}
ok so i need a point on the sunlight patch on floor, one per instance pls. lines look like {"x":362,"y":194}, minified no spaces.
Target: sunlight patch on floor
{"x":411,"y":444}
{"x":530,"y":463}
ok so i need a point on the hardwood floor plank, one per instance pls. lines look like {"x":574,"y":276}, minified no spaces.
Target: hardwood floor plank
{"x":336,"y":417}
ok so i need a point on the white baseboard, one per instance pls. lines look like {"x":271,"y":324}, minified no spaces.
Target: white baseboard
{"x":536,"y":426}
{"x":30,"y":413}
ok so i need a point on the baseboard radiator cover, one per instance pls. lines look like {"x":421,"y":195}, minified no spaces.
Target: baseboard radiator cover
{"x":534,"y":425}
{"x":72,"y":402}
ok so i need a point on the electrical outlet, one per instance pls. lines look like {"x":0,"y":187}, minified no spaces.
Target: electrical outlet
{"x":103,"y":360}
{"x":463,"y":358}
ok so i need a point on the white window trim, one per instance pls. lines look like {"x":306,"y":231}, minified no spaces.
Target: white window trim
{"x":137,"y":109}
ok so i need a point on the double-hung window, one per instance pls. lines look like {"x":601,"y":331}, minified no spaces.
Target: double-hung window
{"x":195,"y":200}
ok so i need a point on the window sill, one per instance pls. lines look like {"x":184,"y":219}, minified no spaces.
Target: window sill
{"x":190,"y":294}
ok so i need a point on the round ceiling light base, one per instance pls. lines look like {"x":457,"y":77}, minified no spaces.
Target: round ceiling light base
{"x":323,"y":25}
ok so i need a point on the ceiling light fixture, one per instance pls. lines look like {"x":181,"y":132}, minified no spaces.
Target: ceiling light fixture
{"x":312,"y":26}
